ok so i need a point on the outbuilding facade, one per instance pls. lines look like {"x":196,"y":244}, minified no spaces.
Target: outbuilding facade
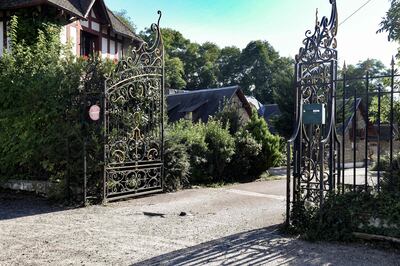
{"x":88,"y":26}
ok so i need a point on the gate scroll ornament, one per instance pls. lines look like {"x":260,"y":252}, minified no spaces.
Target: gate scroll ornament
{"x":134,"y":122}
{"x":315,"y":156}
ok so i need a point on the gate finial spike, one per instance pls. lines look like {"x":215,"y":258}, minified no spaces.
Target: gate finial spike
{"x":393,"y":62}
{"x":316,"y":18}
{"x":159,"y":17}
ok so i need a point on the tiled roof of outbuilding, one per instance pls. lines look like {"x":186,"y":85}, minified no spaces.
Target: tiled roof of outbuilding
{"x":119,"y":26}
{"x":205,"y":102}
{"x":73,"y":6}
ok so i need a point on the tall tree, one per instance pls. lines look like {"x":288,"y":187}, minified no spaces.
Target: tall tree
{"x":284,"y":96}
{"x":191,"y":57}
{"x":229,"y":65}
{"x":355,"y":81}
{"x":207,"y":65}
{"x":391,"y":23}
{"x":256,"y":69}
{"x":174,"y":44}
{"x":385,"y":110}
{"x":174,"y":72}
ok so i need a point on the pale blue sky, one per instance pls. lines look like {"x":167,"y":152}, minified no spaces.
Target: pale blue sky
{"x":281,"y":22}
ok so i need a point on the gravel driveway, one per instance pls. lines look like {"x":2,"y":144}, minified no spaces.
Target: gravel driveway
{"x":231,"y":225}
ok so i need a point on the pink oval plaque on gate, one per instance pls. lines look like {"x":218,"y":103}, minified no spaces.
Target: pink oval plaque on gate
{"x":94,"y":112}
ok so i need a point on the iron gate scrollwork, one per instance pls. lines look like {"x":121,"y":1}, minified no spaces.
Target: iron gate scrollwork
{"x":134,"y":122}
{"x":315,"y":146}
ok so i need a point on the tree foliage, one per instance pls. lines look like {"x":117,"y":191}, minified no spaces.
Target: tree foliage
{"x":194,"y":66}
{"x":174,"y":72}
{"x":221,"y":149}
{"x":30,"y":87}
{"x":229,"y":116}
{"x":31,"y":23}
{"x":270,"y":145}
{"x":385,"y":111}
{"x":192,"y":137}
{"x":391,"y":22}
{"x":216,"y":155}
{"x":41,"y":85}
{"x":257,"y":67}
{"x":123,"y":16}
{"x":210,"y":147}
{"x":176,"y":163}
{"x":356,"y":86}
{"x":229,"y":65}
{"x":247,"y":154}
{"x":284,"y":96}
{"x":355,"y":75}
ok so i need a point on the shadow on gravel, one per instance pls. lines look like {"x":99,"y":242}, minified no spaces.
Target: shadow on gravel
{"x":268,"y":247}
{"x":15,"y":205}
{"x":257,"y":247}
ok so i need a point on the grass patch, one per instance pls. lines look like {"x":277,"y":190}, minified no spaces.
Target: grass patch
{"x":264,"y":177}
{"x":268,"y":177}
{"x":214,"y":184}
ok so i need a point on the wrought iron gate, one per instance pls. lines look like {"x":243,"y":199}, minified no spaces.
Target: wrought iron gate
{"x":316,"y":147}
{"x":370,"y":142}
{"x":134,"y":123}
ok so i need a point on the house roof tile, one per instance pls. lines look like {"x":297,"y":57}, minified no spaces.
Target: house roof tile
{"x":205,"y":103}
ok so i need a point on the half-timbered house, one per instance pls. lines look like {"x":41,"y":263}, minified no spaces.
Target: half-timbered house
{"x":87,"y":25}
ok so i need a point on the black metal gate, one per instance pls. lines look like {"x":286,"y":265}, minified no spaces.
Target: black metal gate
{"x":340,"y":144}
{"x":369,"y":136}
{"x":134,"y":123}
{"x":316,"y":155}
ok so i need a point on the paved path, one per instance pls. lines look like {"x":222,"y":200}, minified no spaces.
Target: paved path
{"x":230,"y":225}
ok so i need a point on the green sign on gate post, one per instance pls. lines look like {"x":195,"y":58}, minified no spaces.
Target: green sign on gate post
{"x":314,"y":114}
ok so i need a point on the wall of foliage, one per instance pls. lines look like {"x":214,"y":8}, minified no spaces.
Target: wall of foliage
{"x":42,"y":87}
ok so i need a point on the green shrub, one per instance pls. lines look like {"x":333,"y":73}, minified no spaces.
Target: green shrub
{"x":391,"y":176}
{"x":384,"y":163}
{"x":247,"y":151}
{"x":221,"y":147}
{"x":341,"y":215}
{"x":177,"y":165}
{"x":332,"y":222}
{"x":192,"y":136}
{"x":271,"y":145}
{"x":41,"y":88}
{"x":230,"y":117}
{"x":34,"y":90}
{"x":210,"y":148}
{"x":283,"y":152}
{"x":217,"y":156}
